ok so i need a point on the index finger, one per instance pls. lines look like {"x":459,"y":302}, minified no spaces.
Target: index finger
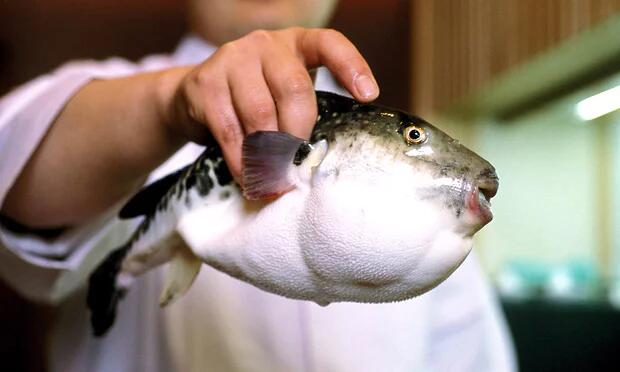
{"x":330,"y":48}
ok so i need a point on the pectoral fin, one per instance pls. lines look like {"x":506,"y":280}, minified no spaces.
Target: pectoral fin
{"x":269,"y":160}
{"x":183,"y":269}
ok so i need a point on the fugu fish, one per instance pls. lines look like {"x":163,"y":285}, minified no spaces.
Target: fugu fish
{"x":377,"y":206}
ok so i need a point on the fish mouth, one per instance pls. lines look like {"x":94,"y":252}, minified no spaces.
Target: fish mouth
{"x":479,"y":198}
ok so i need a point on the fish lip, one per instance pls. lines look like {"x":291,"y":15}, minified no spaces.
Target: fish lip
{"x":478,"y":199}
{"x":481,"y":210}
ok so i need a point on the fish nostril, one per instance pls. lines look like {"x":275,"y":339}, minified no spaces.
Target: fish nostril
{"x":488,"y":182}
{"x":486,"y":192}
{"x":488,"y":188}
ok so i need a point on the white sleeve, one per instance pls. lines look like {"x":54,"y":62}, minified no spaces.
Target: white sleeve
{"x":468,"y":331}
{"x":47,"y":270}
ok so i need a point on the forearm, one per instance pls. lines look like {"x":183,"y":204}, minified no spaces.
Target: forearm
{"x":101,"y":147}
{"x":112,"y":133}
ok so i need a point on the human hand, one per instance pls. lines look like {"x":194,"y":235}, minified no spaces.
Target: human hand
{"x":261,"y":82}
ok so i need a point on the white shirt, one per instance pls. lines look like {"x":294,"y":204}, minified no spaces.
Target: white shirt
{"x":222,"y":324}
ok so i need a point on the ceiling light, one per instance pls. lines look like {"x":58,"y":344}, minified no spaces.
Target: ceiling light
{"x":599,"y":104}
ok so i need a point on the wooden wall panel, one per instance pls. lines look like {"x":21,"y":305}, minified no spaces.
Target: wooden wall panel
{"x":385,"y":45}
{"x":37,"y":36}
{"x":459,"y":45}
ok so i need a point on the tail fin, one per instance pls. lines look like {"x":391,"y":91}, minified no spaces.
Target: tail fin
{"x":103,"y":293}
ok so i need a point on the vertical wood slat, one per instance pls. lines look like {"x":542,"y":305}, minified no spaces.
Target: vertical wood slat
{"x":458,"y":46}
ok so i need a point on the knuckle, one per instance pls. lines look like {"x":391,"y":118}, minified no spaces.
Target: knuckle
{"x":227,"y":48}
{"x":230,"y":132}
{"x":260,"y":36}
{"x":298,"y":85}
{"x":353,"y":63}
{"x":262,"y":112}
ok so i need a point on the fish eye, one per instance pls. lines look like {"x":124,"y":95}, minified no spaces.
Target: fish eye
{"x":414,"y":135}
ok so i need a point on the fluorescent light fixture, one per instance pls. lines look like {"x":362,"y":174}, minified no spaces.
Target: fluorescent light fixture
{"x":599,"y":104}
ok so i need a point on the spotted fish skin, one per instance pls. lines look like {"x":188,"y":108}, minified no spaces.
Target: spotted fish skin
{"x":360,"y":213}
{"x":346,"y":121}
{"x":208,"y":173}
{"x":194,"y":184}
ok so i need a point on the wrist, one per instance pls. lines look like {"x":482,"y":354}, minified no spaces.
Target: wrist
{"x":169,"y":113}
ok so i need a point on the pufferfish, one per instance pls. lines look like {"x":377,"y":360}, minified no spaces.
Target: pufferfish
{"x":378,"y":206}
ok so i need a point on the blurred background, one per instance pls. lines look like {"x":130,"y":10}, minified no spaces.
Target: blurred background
{"x":505,"y":77}
{"x":512,"y":79}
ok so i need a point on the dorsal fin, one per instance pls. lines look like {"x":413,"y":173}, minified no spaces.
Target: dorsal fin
{"x":145,"y":201}
{"x":330,"y":103}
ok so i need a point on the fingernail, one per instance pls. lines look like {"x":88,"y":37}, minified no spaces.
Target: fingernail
{"x":366,"y":86}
